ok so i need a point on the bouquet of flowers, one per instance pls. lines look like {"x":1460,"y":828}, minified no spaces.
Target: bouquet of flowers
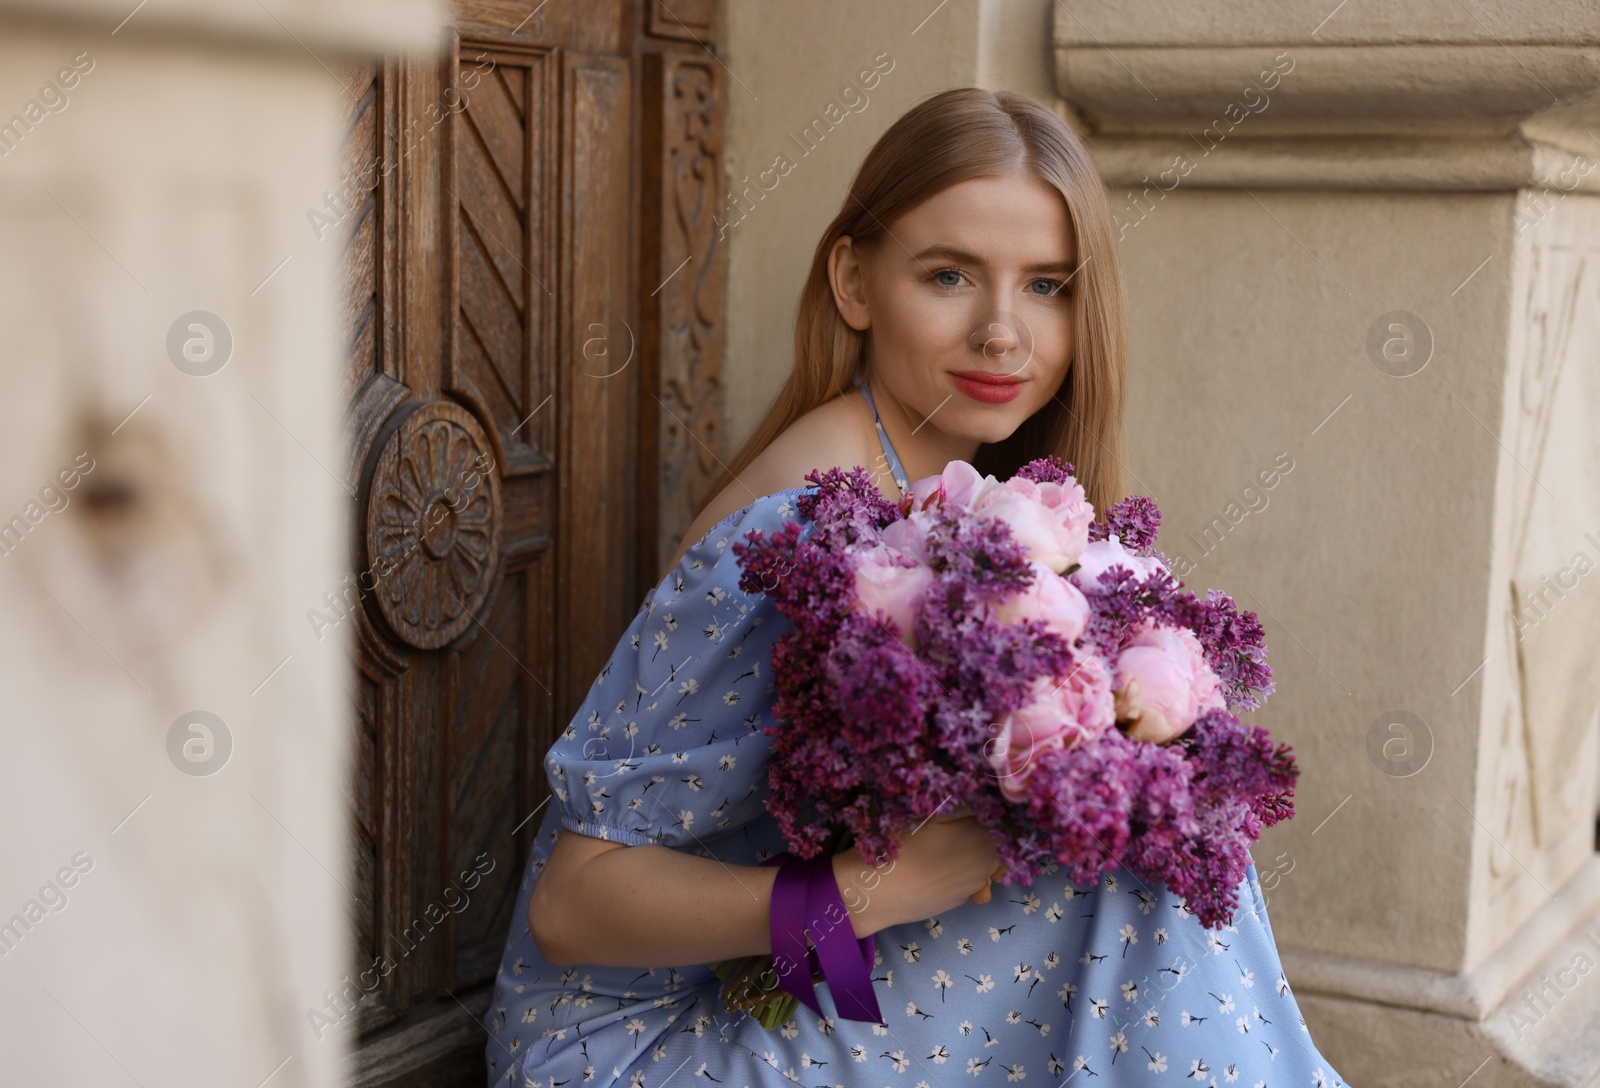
{"x":992,"y":645}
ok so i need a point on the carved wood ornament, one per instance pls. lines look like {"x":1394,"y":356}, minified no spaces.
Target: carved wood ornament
{"x":433,"y":524}
{"x":512,"y":214}
{"x":683,"y":319}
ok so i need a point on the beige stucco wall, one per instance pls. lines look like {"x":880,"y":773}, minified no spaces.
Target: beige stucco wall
{"x":1341,"y":557}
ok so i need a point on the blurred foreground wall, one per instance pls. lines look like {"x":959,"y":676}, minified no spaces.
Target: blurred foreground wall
{"x":172,"y":781}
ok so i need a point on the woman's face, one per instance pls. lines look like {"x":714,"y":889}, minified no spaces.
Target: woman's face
{"x":967,"y":305}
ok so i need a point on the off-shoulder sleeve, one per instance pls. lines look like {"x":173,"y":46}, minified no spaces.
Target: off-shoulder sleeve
{"x":668,"y":747}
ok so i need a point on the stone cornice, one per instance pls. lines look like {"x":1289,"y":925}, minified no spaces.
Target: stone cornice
{"x":1299,"y":89}
{"x":1404,"y":163}
{"x":1498,"y":96}
{"x":1280,"y":23}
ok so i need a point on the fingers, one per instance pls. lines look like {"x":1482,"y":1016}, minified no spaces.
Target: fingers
{"x":986,"y":893}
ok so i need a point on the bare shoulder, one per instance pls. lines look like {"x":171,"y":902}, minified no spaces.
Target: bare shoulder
{"x":836,"y":434}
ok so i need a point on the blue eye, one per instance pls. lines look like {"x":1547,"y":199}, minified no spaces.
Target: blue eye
{"x":939,"y":277}
{"x":1048,"y":287}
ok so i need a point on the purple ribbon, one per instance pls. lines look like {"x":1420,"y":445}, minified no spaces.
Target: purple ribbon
{"x":806,"y":899}
{"x":846,"y":959}
{"x":786,"y":925}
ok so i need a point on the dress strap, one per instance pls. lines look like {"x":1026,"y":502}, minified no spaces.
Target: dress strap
{"x":896,"y":469}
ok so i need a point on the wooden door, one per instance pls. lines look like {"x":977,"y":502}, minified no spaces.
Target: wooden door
{"x":532,"y":292}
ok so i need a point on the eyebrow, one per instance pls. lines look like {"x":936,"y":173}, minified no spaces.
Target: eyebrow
{"x":942,"y":251}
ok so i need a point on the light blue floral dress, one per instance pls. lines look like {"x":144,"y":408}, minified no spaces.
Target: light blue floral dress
{"x":1115,"y":982}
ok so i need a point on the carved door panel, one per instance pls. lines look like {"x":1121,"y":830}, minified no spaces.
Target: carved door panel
{"x":531,"y":295}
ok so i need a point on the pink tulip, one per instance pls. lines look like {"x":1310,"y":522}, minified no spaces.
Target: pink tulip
{"x":1050,"y":598}
{"x":1163,"y":684}
{"x":1059,"y":713}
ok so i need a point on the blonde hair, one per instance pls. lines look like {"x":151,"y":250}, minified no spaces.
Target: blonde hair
{"x":949,"y":138}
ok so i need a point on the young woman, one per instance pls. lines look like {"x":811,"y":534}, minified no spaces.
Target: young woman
{"x":964,"y":304}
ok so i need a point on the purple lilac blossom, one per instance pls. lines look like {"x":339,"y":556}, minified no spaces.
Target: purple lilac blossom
{"x":1133,"y":520}
{"x":871,"y":737}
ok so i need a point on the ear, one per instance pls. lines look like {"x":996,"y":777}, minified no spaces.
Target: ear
{"x":848,"y":280}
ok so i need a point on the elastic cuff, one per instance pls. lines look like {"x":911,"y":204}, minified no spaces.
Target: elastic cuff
{"x":606,"y":833}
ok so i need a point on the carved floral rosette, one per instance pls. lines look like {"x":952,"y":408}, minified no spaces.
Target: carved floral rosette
{"x":433,"y":524}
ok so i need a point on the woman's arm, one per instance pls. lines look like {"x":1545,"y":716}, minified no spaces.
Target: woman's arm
{"x":607,"y":904}
{"x":646,"y":906}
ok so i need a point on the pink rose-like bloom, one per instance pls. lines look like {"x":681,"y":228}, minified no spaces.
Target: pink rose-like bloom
{"x":1101,"y":555}
{"x":959,"y":483}
{"x":1164,"y":683}
{"x":891,"y":582}
{"x":909,"y":535}
{"x":1060,"y":712}
{"x":1051,"y":520}
{"x":1050,"y":598}
{"x":925,"y":493}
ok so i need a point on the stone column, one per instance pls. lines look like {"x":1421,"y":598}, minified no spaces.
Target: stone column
{"x":173,"y":771}
{"x":1362,"y":245}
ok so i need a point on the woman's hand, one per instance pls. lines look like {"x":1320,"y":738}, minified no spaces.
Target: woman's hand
{"x":947,"y":861}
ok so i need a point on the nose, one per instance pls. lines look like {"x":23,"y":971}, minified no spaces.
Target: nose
{"x":995,"y":336}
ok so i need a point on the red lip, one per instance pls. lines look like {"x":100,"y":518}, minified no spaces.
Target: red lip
{"x":987,"y":388}
{"x":987,"y":378}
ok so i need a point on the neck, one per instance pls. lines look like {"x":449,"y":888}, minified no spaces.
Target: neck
{"x":923,"y":447}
